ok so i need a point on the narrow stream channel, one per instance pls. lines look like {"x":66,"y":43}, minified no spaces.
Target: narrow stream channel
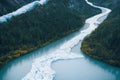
{"x":63,"y":59}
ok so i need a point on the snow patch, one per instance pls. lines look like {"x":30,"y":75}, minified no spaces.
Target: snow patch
{"x":22,"y":10}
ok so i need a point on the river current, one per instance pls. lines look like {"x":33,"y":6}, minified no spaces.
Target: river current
{"x":63,"y":59}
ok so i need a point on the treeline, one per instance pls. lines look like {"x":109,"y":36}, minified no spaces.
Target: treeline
{"x":104,"y":42}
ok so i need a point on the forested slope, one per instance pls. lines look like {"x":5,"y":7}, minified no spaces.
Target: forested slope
{"x":41,"y":26}
{"x":104,"y":42}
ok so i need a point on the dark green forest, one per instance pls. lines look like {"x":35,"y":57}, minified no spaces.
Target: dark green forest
{"x":42,"y":26}
{"x":104,"y":43}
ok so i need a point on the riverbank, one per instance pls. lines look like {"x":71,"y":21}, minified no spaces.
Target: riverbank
{"x":38,"y":64}
{"x":102,"y":55}
{"x":21,"y":52}
{"x":104,"y":43}
{"x":88,"y":50}
{"x":96,"y":49}
{"x":41,"y":26}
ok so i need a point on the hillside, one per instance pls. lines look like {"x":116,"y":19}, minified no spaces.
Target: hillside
{"x":42,"y":26}
{"x":104,"y":43}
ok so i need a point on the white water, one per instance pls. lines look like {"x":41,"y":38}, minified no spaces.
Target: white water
{"x":41,"y":67}
{"x":22,"y":10}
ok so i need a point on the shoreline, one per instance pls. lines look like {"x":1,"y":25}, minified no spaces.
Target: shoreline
{"x":19,"y":53}
{"x":88,"y":51}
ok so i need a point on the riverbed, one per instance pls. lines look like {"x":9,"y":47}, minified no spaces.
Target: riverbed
{"x":63,"y":59}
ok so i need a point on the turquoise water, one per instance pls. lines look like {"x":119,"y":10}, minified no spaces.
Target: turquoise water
{"x":18,"y":68}
{"x":84,"y":68}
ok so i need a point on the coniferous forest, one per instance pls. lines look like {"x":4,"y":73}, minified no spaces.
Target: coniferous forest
{"x":41,"y":26}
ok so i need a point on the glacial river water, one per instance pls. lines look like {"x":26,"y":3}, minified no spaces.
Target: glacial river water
{"x":63,"y":59}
